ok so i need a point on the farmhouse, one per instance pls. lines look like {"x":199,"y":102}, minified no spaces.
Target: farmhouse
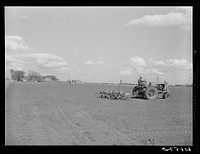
{"x":48,"y":79}
{"x":76,"y":81}
{"x":69,"y":81}
{"x":73,"y":81}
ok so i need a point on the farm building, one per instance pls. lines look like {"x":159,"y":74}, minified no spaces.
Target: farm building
{"x":73,"y":81}
{"x":48,"y":79}
{"x":69,"y":81}
{"x":76,"y":81}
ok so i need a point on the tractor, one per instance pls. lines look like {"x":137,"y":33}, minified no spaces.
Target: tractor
{"x":151,"y":91}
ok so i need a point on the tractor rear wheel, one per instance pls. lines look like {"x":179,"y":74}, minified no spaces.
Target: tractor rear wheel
{"x":151,"y":93}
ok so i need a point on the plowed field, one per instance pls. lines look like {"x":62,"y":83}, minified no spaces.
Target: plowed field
{"x":68,"y":114}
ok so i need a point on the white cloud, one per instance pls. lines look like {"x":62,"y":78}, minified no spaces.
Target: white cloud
{"x":160,"y":63}
{"x":139,"y":69}
{"x":24,"y":17}
{"x":176,"y":62}
{"x":174,"y":70}
{"x":89,"y":62}
{"x":150,"y":66}
{"x":61,"y":70}
{"x":146,"y":70}
{"x":9,"y":58}
{"x":126,"y":71}
{"x":44,"y":59}
{"x":138,"y":64}
{"x":40,"y":61}
{"x":172,"y":18}
{"x":64,"y":68}
{"x":154,"y":71}
{"x":100,"y":62}
{"x":172,"y":66}
{"x":89,"y":74}
{"x":49,"y":60}
{"x":171,"y":63}
{"x":183,"y":19}
{"x":75,"y":48}
{"x":137,"y":61}
{"x":187,"y":9}
{"x":14,"y":42}
{"x":13,"y":63}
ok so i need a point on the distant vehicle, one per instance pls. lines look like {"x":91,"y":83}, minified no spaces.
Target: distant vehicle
{"x":151,"y":91}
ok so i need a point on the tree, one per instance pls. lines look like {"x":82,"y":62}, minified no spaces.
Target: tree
{"x":20,"y":75}
{"x":34,"y":76}
{"x":17,"y":75}
{"x":39,"y":78}
{"x":12,"y":74}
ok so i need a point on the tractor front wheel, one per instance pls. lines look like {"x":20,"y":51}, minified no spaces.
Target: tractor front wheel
{"x":166,"y":96}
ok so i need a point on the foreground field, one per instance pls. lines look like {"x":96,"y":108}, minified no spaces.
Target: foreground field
{"x":68,"y":114}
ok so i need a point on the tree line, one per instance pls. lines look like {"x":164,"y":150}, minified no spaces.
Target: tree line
{"x":17,"y":75}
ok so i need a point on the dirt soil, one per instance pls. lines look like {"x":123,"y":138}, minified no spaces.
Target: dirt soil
{"x":68,"y":114}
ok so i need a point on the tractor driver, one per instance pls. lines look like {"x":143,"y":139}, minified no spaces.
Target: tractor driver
{"x":141,"y":82}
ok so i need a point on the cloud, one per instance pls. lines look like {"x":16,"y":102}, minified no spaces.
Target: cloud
{"x":139,"y":69}
{"x":172,"y":67}
{"x":172,"y":63}
{"x":13,"y":60}
{"x":39,"y":62}
{"x":89,"y":62}
{"x":24,"y":16}
{"x":44,"y":59}
{"x":154,"y":71}
{"x":64,"y":68}
{"x":75,"y":48}
{"x":100,"y":62}
{"x":89,"y":74}
{"x":138,"y":64}
{"x":126,"y":71}
{"x":160,"y":63}
{"x":182,"y":19}
{"x":13,"y":63}
{"x":187,"y":10}
{"x":137,"y":61}
{"x":9,"y":58}
{"x":146,"y":70}
{"x":172,"y":18}
{"x":48,"y":60}
{"x":61,"y":70}
{"x":14,"y":42}
{"x":176,"y":62}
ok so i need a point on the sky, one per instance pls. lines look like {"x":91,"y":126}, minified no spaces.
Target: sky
{"x":101,"y":44}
